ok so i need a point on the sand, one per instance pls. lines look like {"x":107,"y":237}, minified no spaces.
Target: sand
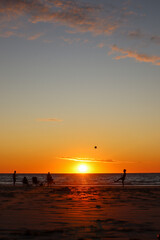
{"x":79,"y":212}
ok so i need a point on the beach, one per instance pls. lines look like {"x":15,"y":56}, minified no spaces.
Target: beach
{"x":79,"y":212}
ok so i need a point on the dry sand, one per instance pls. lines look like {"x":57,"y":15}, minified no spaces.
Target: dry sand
{"x":79,"y":212}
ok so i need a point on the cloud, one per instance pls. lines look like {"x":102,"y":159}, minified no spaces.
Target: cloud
{"x":77,"y":15}
{"x":35,"y":36}
{"x":74,"y":40}
{"x":155,"y":39}
{"x":138,"y":34}
{"x":77,"y":159}
{"x":155,"y":60}
{"x":100,"y":45}
{"x":7,"y":34}
{"x":49,"y":120}
{"x":71,"y":40}
{"x":71,"y":31}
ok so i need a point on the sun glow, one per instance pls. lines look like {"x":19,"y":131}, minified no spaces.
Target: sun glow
{"x":82,"y":168}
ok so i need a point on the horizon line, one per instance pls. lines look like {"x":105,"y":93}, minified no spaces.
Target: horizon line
{"x":83,"y":173}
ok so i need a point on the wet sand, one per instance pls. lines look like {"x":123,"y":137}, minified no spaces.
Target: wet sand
{"x":79,"y":212}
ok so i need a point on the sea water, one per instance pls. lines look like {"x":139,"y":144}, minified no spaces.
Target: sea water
{"x":146,"y":179}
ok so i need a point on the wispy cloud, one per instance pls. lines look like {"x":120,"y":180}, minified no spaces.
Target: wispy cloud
{"x":101,"y":45}
{"x":155,"y":60}
{"x":71,"y":40}
{"x":155,"y":39}
{"x":49,"y":120}
{"x":35,"y":36}
{"x":74,"y":40}
{"x":77,"y":159}
{"x":77,"y":15}
{"x":71,"y":31}
{"x":7,"y":34}
{"x":138,"y":34}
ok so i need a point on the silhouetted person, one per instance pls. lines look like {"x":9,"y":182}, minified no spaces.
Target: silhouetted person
{"x":35,"y":181}
{"x":25,"y":181}
{"x":49,"y":179}
{"x":14,"y":178}
{"x":122,"y":177}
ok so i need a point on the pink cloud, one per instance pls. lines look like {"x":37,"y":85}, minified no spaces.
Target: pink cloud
{"x":82,"y":18}
{"x":155,"y":60}
{"x":71,"y":40}
{"x":77,"y":15}
{"x":35,"y":36}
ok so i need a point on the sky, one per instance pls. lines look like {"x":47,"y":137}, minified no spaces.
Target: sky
{"x":75,"y":74}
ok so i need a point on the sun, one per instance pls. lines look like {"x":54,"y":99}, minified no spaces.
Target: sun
{"x":82,"y":168}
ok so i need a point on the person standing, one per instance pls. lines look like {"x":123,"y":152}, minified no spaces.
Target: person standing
{"x":14,"y":178}
{"x":122,"y":177}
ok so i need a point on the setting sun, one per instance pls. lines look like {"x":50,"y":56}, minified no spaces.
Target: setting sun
{"x":82,"y":168}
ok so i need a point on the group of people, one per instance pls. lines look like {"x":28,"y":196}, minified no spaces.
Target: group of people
{"x":49,"y":180}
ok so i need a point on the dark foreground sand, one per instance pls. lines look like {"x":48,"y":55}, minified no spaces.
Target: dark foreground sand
{"x":79,"y":212}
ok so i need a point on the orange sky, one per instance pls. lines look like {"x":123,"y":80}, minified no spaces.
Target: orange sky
{"x":75,"y":74}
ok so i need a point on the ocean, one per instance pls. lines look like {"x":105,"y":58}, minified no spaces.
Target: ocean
{"x":135,"y":179}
